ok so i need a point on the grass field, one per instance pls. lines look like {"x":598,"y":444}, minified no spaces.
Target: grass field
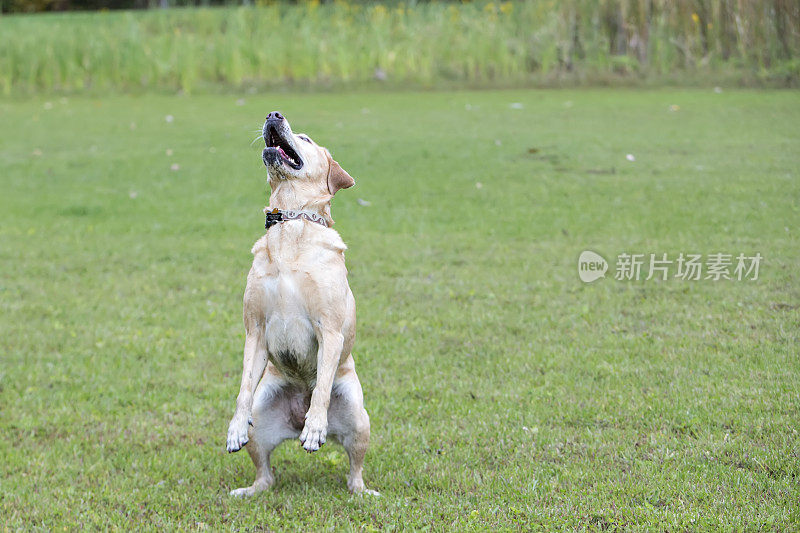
{"x":402,"y":44}
{"x":504,"y":393}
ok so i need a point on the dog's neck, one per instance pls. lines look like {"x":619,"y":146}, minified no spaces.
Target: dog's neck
{"x":300,"y":196}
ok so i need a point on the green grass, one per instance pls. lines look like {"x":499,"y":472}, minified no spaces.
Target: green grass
{"x":436,"y":44}
{"x":504,"y":393}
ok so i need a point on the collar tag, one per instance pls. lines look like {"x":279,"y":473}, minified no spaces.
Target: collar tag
{"x":273,"y":217}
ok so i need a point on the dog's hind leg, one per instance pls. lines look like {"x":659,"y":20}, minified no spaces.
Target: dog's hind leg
{"x":271,"y":426}
{"x":349,"y":424}
{"x":264,"y":478}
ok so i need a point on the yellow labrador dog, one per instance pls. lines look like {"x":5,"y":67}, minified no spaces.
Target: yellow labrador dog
{"x":299,"y":378}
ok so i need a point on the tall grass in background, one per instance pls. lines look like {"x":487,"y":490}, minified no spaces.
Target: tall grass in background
{"x":481,"y":43}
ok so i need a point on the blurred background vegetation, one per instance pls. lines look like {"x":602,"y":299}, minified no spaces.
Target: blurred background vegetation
{"x":421,"y":44}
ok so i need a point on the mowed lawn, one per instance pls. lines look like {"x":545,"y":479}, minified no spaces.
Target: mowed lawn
{"x":503,"y":392}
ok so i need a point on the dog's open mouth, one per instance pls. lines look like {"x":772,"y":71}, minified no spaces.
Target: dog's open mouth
{"x":279,"y":148}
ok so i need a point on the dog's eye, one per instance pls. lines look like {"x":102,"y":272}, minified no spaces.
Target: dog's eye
{"x":306,"y":139}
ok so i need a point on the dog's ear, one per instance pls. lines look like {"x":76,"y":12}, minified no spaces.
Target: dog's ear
{"x":338,"y":178}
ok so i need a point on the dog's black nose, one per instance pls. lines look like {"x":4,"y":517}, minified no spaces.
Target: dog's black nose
{"x":275,"y":115}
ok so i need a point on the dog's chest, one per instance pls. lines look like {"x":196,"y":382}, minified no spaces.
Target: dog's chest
{"x":289,"y":334}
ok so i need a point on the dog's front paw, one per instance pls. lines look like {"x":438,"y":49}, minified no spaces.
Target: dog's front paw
{"x":314,"y":432}
{"x":237,"y":433}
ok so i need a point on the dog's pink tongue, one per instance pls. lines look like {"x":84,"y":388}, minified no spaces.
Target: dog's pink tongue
{"x":282,"y":152}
